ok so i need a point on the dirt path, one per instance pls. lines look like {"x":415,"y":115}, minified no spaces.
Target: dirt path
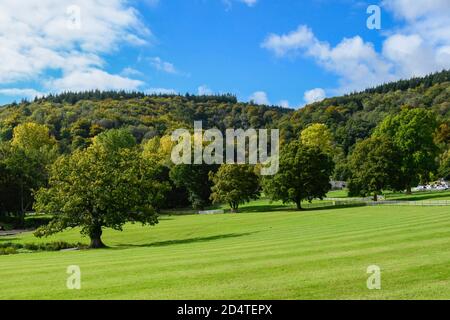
{"x":12,"y":232}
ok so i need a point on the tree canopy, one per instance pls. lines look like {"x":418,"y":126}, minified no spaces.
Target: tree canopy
{"x":96,"y":188}
{"x":412,"y":131}
{"x":304,"y":174}
{"x":318,"y":135}
{"x":25,"y":161}
{"x":235,"y":185}
{"x":374,"y":164}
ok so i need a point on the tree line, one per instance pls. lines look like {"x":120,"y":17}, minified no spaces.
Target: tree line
{"x":72,"y":154}
{"x":117,"y":180}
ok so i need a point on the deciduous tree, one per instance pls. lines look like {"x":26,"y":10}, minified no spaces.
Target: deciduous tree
{"x":374,"y":164}
{"x":235,"y":184}
{"x":26,"y":160}
{"x":195,"y":179}
{"x":412,"y":131}
{"x":304,"y":174}
{"x":95,"y":189}
{"x":318,"y":135}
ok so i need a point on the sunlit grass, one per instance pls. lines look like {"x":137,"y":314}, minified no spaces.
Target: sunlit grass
{"x":284,"y":254}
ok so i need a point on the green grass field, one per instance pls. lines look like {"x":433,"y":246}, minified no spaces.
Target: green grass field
{"x":337,"y":194}
{"x":317,"y":254}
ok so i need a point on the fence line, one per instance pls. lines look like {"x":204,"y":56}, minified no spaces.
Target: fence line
{"x":355,"y":199}
{"x":410,"y":203}
{"x":328,"y":202}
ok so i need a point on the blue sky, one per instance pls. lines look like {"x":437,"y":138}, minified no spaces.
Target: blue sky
{"x":279,"y":52}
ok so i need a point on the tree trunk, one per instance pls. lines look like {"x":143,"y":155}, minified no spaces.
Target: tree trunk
{"x":408,"y":190}
{"x":234,"y":207}
{"x":375,"y":196}
{"x":22,"y":207}
{"x":96,"y":237}
{"x":299,"y":204}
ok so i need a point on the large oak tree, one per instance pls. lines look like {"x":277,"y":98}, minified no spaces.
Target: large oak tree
{"x":100,"y":187}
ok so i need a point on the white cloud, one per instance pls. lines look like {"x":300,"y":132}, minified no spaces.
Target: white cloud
{"x":298,"y":39}
{"x":160,"y":91}
{"x":229,"y":3}
{"x":355,"y":61}
{"x":413,"y":9}
{"x":152,"y":3}
{"x":16,"y":92}
{"x":204,"y":90}
{"x":161,"y":65}
{"x":420,"y":46}
{"x":314,"y":95}
{"x":250,"y":3}
{"x":49,"y":35}
{"x":283,"y":103}
{"x":130,"y":72}
{"x":410,"y":54}
{"x":260,"y":97}
{"x":92,"y":78}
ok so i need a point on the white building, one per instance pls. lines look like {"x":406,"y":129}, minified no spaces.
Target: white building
{"x":338,"y":185}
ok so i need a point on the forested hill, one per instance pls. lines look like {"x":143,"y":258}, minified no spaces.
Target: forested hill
{"x":74,"y":118}
{"x":352,"y":117}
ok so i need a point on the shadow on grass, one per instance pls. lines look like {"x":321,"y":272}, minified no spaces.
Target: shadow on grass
{"x":270,"y":208}
{"x":265,"y":208}
{"x":164,"y":217}
{"x":356,"y":205}
{"x":287,"y":208}
{"x":183,"y":241}
{"x":6,"y":239}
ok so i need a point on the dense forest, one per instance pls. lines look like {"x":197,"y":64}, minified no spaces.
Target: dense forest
{"x":74,"y":118}
{"x":353,"y":117}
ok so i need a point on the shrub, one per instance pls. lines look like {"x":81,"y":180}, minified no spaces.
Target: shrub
{"x":12,"y":248}
{"x":31,"y":222}
{"x":34,"y":222}
{"x":10,"y":245}
{"x":8,"y":250}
